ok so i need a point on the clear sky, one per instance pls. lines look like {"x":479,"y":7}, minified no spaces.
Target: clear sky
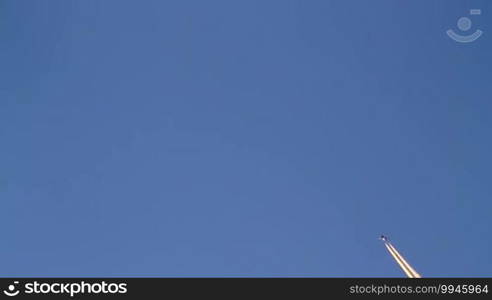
{"x":244,"y":138}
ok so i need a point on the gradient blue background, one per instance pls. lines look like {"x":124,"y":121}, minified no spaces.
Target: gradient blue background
{"x":243,"y":138}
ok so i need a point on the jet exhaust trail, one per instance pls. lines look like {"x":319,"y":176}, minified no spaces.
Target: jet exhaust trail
{"x":399,"y":262}
{"x":404,"y":265}
{"x":412,"y":270}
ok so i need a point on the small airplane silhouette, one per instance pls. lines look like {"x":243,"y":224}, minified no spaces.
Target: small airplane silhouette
{"x":384,"y":238}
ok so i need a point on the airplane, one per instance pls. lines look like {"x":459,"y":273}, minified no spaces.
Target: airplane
{"x":384,"y":238}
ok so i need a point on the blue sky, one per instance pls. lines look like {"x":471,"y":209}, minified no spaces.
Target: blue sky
{"x":243,"y":138}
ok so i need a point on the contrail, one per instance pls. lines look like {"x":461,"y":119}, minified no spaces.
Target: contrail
{"x":400,"y":263}
{"x":407,"y":265}
{"x":404,"y":265}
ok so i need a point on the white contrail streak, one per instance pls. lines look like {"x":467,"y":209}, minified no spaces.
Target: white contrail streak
{"x":404,"y":265}
{"x":412,"y":270}
{"x":399,"y":262}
